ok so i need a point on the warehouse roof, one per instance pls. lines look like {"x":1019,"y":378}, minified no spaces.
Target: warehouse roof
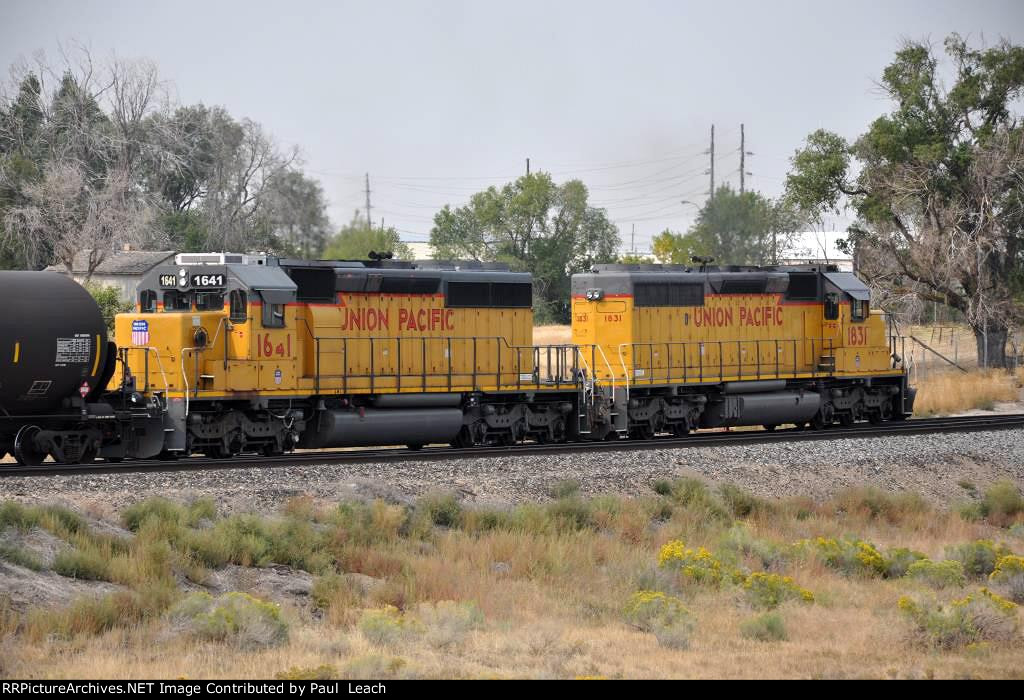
{"x":126,"y":262}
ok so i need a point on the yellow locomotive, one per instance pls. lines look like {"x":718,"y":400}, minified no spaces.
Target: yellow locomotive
{"x":250,"y":353}
{"x":711,"y":347}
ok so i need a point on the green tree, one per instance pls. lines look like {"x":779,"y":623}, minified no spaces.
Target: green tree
{"x":356,"y":241}
{"x":535,"y":225}
{"x":298,"y":214}
{"x":936,"y":185}
{"x":674,"y":248}
{"x":733,"y":228}
{"x":21,"y":144}
{"x":110,"y":302}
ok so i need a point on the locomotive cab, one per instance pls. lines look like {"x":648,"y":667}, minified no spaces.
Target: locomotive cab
{"x":202,"y":325}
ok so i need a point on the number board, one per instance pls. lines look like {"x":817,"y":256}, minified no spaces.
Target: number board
{"x":168,"y":281}
{"x":207,"y":280}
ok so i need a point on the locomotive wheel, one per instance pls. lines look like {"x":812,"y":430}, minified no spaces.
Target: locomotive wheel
{"x":770,"y":427}
{"x":846,"y":420}
{"x":680,"y":429}
{"x":464,"y":439}
{"x":25,"y":450}
{"x":89,"y":454}
{"x":415,"y":446}
{"x":558,"y":430}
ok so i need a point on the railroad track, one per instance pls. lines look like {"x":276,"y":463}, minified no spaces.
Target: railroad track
{"x":699,"y":439}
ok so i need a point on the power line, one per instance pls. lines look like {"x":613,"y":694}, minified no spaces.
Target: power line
{"x":369,"y":221}
{"x":711,"y":192}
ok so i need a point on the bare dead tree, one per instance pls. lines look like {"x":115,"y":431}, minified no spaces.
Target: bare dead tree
{"x":239,"y":189}
{"x":65,"y":217}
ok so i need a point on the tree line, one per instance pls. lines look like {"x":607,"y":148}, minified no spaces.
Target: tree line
{"x":97,"y":156}
{"x":93,"y":157}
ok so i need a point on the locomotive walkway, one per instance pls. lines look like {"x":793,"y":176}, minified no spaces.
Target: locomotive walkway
{"x":401,"y":454}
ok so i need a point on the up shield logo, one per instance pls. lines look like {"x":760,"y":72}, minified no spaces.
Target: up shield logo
{"x":140,"y":332}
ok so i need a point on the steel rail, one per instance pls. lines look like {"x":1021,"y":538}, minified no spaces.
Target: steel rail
{"x":401,"y":454}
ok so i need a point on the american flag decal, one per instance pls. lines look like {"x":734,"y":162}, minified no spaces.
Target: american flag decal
{"x":140,"y":332}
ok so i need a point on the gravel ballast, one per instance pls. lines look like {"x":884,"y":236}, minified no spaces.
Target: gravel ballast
{"x":932,"y":465}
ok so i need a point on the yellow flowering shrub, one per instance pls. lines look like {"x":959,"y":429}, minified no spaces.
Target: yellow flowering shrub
{"x":938,"y":574}
{"x":387,"y":626}
{"x":663,"y":615}
{"x":858,"y":557}
{"x":979,"y":617}
{"x":697,"y":566}
{"x":768,"y":591}
{"x":1010,"y":565}
{"x":1008,"y":575}
{"x":979,"y":557}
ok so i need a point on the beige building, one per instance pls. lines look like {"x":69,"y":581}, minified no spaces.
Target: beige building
{"x":123,"y":269}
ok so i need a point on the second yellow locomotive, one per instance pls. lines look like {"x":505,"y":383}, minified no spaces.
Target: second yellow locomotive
{"x":712,"y":347}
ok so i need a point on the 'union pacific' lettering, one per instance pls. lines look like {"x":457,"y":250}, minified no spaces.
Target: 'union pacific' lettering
{"x":748,"y":316}
{"x":761,"y":316}
{"x":371,"y":319}
{"x":365,"y":320}
{"x":426,"y":320}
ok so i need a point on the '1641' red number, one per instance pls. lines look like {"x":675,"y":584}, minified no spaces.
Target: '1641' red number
{"x":266,"y":348}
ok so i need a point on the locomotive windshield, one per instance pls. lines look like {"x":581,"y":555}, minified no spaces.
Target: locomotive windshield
{"x":209,"y":301}
{"x":177,"y":301}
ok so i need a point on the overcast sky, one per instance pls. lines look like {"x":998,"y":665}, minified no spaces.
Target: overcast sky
{"x":437,"y":100}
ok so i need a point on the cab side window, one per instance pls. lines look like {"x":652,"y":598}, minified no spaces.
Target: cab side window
{"x":831,"y":306}
{"x":239,"y":307}
{"x":273,"y":315}
{"x":859,"y":310}
{"x":147,"y":301}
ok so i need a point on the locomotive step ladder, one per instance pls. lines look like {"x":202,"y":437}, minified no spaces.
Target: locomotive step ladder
{"x":827,"y":363}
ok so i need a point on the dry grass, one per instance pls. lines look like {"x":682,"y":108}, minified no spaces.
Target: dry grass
{"x":552,"y":335}
{"x":539,"y":591}
{"x":953,"y":391}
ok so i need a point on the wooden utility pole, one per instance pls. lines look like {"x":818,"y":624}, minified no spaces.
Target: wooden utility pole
{"x":743,"y":158}
{"x":369,"y":219}
{"x":527,"y":167}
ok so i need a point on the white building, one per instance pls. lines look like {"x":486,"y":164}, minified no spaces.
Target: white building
{"x":420,"y":250}
{"x":123,"y":269}
{"x":817,"y":247}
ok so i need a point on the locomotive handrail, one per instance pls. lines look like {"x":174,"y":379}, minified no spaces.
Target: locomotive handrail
{"x":610,"y":372}
{"x":159,"y":363}
{"x":669,"y":367}
{"x":558,"y":370}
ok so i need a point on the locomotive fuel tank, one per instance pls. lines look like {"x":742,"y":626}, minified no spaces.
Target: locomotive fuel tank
{"x":767,"y":408}
{"x":406,"y":426}
{"x":53,"y":342}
